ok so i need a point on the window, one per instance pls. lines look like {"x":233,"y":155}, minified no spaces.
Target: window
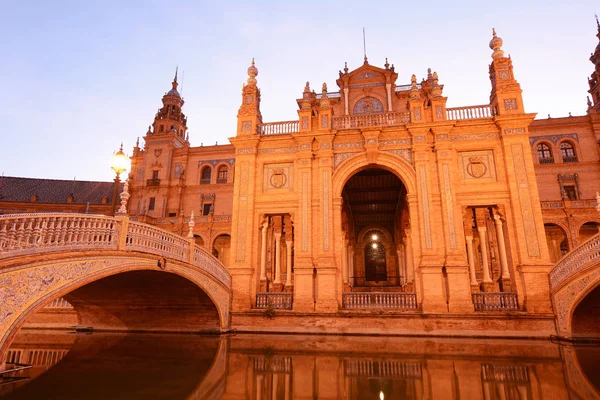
{"x":222,"y":174}
{"x":570,"y":192}
{"x":161,"y":128}
{"x":544,"y":154}
{"x":207,"y":209}
{"x":205,"y":176}
{"x":151,"y":203}
{"x":173,"y":214}
{"x":155,"y":175}
{"x":568,"y":152}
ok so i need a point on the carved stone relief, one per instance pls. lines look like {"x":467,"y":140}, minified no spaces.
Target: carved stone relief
{"x":478,"y":165}
{"x":278,"y":177}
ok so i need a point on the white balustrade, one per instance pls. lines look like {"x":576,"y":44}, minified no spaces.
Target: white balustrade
{"x":495,"y":301}
{"x":583,"y":256}
{"x":27,"y":234}
{"x":22,"y":234}
{"x":386,"y":300}
{"x":279,"y":128}
{"x":363,"y":121}
{"x":279,"y":300}
{"x":470,"y":112}
{"x":150,"y":239}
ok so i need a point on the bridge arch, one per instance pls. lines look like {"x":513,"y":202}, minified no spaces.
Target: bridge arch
{"x":26,"y":288}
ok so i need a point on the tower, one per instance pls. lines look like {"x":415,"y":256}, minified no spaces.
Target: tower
{"x":249,"y":117}
{"x":169,"y":119}
{"x":505,"y":96}
{"x":594,"y":80}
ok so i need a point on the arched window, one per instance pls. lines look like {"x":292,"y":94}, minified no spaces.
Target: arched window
{"x":222,"y":174}
{"x":205,"y":176}
{"x":568,"y":152}
{"x":545,"y":154}
{"x":368,"y":105}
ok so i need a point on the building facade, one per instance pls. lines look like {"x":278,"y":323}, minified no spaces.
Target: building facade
{"x":380,"y":197}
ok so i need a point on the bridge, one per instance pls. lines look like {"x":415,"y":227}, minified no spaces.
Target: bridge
{"x":118,"y":274}
{"x":575,"y":291}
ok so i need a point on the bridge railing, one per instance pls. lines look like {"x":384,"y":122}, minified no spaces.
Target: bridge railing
{"x":28,"y":234}
{"x":22,"y":234}
{"x":580,"y":258}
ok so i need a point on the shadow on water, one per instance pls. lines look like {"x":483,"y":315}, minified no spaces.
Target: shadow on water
{"x":283,"y":367}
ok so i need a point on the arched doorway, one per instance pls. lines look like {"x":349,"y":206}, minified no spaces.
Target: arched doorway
{"x":221,"y":246}
{"x":588,"y":230}
{"x":374,"y":220}
{"x":586,"y":316}
{"x":558,"y":243}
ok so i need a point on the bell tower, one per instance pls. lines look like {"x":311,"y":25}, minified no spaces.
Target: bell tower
{"x":170,"y":120}
{"x":594,"y":80}
{"x":506,"y":92}
{"x":249,"y":117}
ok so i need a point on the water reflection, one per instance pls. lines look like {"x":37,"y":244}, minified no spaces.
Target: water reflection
{"x":283,"y":367}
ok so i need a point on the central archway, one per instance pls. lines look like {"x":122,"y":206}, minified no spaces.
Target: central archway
{"x":374,"y":219}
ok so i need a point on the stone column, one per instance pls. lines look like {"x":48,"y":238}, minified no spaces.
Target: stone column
{"x":287,"y":386}
{"x":263,"y":251}
{"x":487,"y":280}
{"x":277,"y":258}
{"x":351,"y":267}
{"x":259,"y":384}
{"x":471,"y":257}
{"x":410,"y":269}
{"x":388,"y":88}
{"x":344,"y":261}
{"x":288,"y":267}
{"x":401,"y":268}
{"x":502,"y":250}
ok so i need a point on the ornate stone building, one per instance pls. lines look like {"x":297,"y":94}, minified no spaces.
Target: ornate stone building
{"x":380,"y":197}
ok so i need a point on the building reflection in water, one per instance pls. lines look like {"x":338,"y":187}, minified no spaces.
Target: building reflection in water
{"x":285,"y":367}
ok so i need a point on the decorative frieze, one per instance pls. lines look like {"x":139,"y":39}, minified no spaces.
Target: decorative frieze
{"x":514,"y":131}
{"x":441,"y":137}
{"x":242,"y":212}
{"x":419,"y":138}
{"x":339,"y":158}
{"x":348,"y":145}
{"x":278,"y":150}
{"x":325,"y":204}
{"x":406,"y":141}
{"x":554,"y":138}
{"x":214,"y":163}
{"x":417,"y":113}
{"x":405,"y":154}
{"x":247,"y":150}
{"x":476,"y":136}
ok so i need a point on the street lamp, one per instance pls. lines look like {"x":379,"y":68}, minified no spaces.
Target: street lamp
{"x":119,"y":164}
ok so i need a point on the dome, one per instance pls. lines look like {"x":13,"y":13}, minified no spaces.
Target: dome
{"x":173,"y":92}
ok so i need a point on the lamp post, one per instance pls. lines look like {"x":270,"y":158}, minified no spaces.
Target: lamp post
{"x":119,"y":164}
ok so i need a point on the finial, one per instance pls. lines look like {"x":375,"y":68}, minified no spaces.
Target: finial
{"x":124,"y":197}
{"x":191,"y":225}
{"x":429,"y":76}
{"x":365,"y":45}
{"x":345,"y":67}
{"x":149,"y":132}
{"x":252,"y":73}
{"x":175,"y":84}
{"x":413,"y":93}
{"x":413,"y":81}
{"x":387,"y":65}
{"x":176,"y":70}
{"x":589,"y":103}
{"x":307,"y":87}
{"x":137,"y":142}
{"x":435,"y":75}
{"x":324,"y":88}
{"x":496,"y":45}
{"x":324,"y":102}
{"x":121,"y":148}
{"x":597,"y":22}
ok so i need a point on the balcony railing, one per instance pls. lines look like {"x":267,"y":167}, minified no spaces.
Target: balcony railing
{"x":279,"y":128}
{"x":364,"y":121}
{"x":205,"y":181}
{"x":153,"y":182}
{"x":548,"y":160}
{"x":571,"y":159}
{"x":278,"y":300}
{"x":470,"y":112}
{"x":495,"y":301}
{"x":385,"y":300}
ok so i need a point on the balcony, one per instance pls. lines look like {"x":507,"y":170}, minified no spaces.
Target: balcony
{"x":379,"y":300}
{"x":548,"y":160}
{"x":153,"y":182}
{"x":470,"y":112}
{"x":571,"y":159}
{"x":279,"y":128}
{"x":365,"y":121}
{"x":495,"y":301}
{"x":205,"y":181}
{"x":277,"y":300}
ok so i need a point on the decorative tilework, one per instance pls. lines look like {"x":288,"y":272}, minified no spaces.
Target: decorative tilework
{"x":214,"y":163}
{"x":554,"y":138}
{"x":326,"y":175}
{"x":441,"y":137}
{"x":510,"y":104}
{"x":279,"y":150}
{"x":406,"y":154}
{"x":304,"y":122}
{"x":449,"y":208}
{"x":246,"y":126}
{"x":439,"y":112}
{"x":324,"y":145}
{"x":395,"y":141}
{"x":417,"y":113}
{"x":304,"y":146}
{"x":325,"y":122}
{"x":371,"y":141}
{"x":338,"y":158}
{"x":425,"y":198}
{"x":531,"y":238}
{"x":419,"y":138}
{"x":514,"y":131}
{"x":305,"y":211}
{"x":348,"y":145}
{"x":503,"y":74}
{"x":248,"y":150}
{"x":477,"y":136}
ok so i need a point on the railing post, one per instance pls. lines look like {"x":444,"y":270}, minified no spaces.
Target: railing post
{"x":192,"y":250}
{"x":122,"y":222}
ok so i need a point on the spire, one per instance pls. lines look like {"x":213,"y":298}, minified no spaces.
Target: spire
{"x":175,"y":84}
{"x":496,"y":45}
{"x":252,"y":73}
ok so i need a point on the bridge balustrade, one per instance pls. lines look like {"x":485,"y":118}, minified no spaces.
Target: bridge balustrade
{"x":28,"y":234}
{"x":577,"y":260}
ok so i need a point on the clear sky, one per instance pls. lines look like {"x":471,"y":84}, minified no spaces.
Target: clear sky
{"x":80,"y":77}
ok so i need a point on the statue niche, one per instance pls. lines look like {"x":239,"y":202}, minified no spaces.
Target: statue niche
{"x":368,"y":105}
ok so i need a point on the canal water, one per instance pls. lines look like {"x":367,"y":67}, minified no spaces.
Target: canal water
{"x":68,"y":365}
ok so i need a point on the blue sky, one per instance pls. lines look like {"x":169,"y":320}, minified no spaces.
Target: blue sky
{"x":80,"y":77}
